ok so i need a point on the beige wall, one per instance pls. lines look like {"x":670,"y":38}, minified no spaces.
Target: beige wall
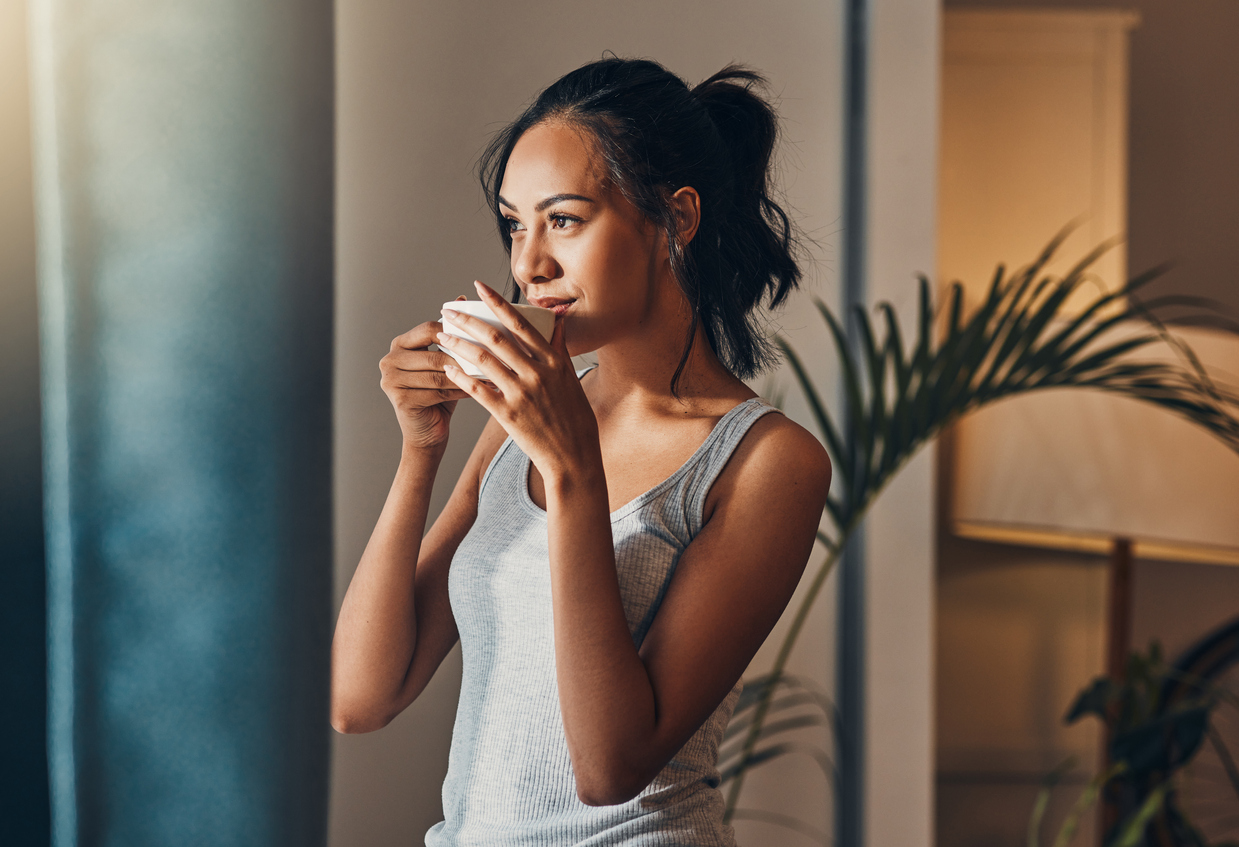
{"x":420,"y":86}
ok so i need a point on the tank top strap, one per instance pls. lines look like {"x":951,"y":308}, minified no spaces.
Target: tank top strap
{"x":710,"y":459}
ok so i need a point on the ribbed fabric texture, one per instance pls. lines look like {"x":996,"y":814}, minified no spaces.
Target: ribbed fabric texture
{"x":509,"y":779}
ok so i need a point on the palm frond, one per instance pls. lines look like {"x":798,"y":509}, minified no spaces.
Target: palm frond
{"x":727,"y":771}
{"x":1014,"y":341}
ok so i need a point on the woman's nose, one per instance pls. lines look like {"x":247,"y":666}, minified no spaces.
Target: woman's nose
{"x":533,"y":260}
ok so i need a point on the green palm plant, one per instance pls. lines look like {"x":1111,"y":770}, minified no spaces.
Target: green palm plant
{"x":898,"y":398}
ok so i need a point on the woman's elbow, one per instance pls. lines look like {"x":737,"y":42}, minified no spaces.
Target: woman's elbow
{"x":353,"y":721}
{"x":604,"y":795}
{"x":609,"y":786}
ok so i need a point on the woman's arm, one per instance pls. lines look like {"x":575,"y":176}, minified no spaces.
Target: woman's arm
{"x":627,"y":713}
{"x":395,"y":625}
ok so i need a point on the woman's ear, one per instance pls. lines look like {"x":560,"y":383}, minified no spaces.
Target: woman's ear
{"x":686,"y":203}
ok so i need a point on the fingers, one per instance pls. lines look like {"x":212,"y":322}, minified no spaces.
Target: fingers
{"x":410,"y":351}
{"x":492,"y":366}
{"x":430,"y":381}
{"x":492,"y":345}
{"x":558,"y":342}
{"x":513,"y":320}
{"x":418,"y":359}
{"x":417,"y":386}
{"x":415,"y":368}
{"x":418,"y":338}
{"x":414,"y":373}
{"x":470,"y":386}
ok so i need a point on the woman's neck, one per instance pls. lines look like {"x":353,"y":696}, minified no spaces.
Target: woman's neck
{"x":634,"y":375}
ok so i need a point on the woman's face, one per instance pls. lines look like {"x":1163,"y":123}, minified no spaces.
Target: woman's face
{"x":577,"y":245}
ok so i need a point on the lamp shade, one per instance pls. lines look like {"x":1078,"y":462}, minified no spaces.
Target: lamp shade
{"x":1075,"y":468}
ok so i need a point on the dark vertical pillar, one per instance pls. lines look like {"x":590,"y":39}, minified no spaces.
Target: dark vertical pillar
{"x":1118,"y":608}
{"x":23,"y":619}
{"x":850,"y":791}
{"x":183,"y":185}
{"x":1118,"y":650}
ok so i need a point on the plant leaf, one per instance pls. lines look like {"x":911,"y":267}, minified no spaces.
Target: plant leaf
{"x":1094,"y":700}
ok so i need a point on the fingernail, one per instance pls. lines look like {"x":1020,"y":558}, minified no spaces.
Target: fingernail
{"x":443,"y":338}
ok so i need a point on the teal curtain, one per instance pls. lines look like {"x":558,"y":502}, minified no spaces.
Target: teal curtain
{"x":183,"y":187}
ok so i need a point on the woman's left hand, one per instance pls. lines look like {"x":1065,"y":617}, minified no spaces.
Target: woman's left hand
{"x":537,"y":397}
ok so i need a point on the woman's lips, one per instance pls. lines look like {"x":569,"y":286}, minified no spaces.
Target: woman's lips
{"x":558,"y":305}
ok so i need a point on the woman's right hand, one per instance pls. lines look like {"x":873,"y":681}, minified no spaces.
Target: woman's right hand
{"x":413,"y":380}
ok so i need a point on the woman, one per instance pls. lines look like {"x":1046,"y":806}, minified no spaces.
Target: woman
{"x":621,"y":541}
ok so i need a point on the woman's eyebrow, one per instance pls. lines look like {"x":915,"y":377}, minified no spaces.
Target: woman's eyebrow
{"x":557,"y":198}
{"x":549,"y":201}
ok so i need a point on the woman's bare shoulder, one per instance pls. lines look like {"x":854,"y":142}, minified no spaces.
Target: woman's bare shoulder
{"x":777,"y":460}
{"x":777,"y":444}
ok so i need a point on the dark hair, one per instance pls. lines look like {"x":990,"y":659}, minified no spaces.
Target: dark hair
{"x":656,"y":136}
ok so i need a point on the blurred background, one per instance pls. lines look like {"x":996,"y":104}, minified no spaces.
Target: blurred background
{"x":1108,"y":115}
{"x":214,"y":220}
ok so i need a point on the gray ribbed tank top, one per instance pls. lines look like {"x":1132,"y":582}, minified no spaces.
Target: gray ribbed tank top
{"x":509,"y":779}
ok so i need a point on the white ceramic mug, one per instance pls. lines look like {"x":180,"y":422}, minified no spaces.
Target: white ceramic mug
{"x":542,"y":320}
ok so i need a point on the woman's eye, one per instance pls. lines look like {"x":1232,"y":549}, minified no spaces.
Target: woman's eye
{"x":513,"y":225}
{"x":561,"y":221}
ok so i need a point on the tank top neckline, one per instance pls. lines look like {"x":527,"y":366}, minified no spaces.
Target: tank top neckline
{"x":641,"y":499}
